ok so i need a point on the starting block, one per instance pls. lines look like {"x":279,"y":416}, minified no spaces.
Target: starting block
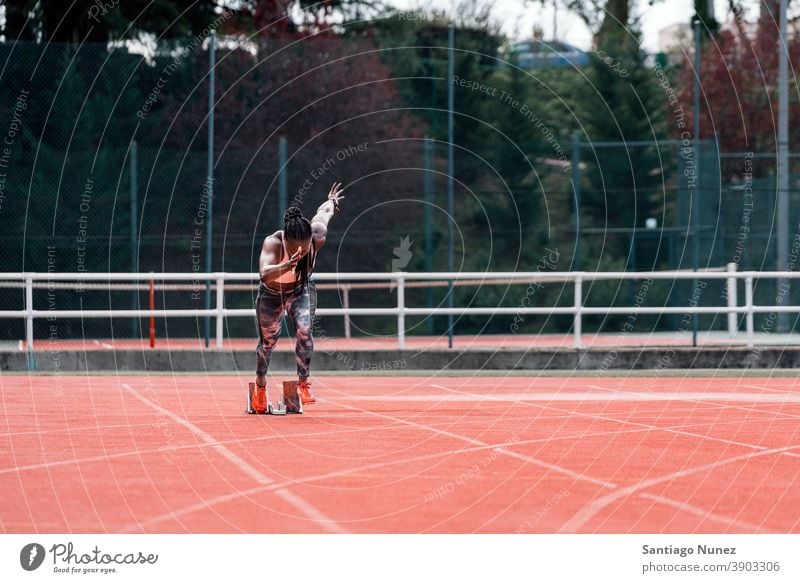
{"x":288,"y":402}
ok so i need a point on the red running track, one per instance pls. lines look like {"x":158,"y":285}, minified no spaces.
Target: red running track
{"x":414,"y":454}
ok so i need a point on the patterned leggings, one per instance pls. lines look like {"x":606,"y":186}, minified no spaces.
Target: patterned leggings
{"x":270,"y":307}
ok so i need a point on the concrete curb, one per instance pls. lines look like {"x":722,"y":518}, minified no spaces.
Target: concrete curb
{"x":762,"y":357}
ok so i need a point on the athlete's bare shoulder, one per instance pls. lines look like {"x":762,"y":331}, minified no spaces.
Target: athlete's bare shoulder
{"x":271,"y":247}
{"x":275,"y":238}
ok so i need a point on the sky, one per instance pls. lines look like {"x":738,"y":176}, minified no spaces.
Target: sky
{"x":518,"y":18}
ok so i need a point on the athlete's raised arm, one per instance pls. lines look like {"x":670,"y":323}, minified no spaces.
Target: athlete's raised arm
{"x":319,"y":224}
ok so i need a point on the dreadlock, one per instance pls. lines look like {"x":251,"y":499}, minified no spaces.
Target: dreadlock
{"x":298,"y":228}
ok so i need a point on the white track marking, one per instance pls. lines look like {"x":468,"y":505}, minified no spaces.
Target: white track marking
{"x":762,"y":388}
{"x":706,"y":515}
{"x":675,"y":430}
{"x":724,"y":407}
{"x":339,"y":431}
{"x":85,"y":460}
{"x":245,"y":467}
{"x":711,"y":437}
{"x":305,"y":480}
{"x":500,"y":450}
{"x":139,"y":452}
{"x":105,"y":345}
{"x":611,"y":397}
{"x":336,"y":474}
{"x":465,"y":397}
{"x":74,"y":430}
{"x":590,"y":510}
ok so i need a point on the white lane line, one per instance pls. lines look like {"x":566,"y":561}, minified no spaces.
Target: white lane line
{"x":579,"y":397}
{"x":500,"y":450}
{"x":722,"y":408}
{"x":307,"y":480}
{"x":762,"y":388}
{"x":324,"y":434}
{"x":75,"y":430}
{"x":107,"y":457}
{"x":706,"y":515}
{"x":333,"y":474}
{"x":610,"y":397}
{"x":293,"y":499}
{"x":654,"y":427}
{"x":590,"y":510}
{"x":223,"y":498}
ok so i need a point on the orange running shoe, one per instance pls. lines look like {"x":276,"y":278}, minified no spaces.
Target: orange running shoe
{"x":259,"y":400}
{"x":304,"y":388}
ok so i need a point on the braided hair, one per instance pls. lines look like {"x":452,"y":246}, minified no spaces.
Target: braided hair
{"x":298,"y":228}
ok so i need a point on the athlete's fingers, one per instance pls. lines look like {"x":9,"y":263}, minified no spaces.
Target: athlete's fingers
{"x":295,"y":258}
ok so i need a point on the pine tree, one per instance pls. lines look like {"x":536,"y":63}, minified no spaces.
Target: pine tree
{"x":623,"y":105}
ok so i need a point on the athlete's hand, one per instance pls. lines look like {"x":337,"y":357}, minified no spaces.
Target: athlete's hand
{"x":291,"y":263}
{"x":335,"y":194}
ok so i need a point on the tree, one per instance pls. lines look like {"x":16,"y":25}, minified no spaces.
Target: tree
{"x":623,"y":105}
{"x":91,"y":21}
{"x":276,"y":18}
{"x":739,"y":90}
{"x":703,"y":11}
{"x":602,"y":17}
{"x":17,"y":25}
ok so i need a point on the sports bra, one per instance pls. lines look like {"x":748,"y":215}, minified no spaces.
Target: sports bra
{"x":288,"y":277}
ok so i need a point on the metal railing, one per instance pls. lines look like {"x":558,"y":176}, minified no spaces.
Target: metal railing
{"x":402,"y":280}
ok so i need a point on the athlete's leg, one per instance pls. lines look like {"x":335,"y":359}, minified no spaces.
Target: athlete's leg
{"x":301,"y":311}
{"x":269,"y":313}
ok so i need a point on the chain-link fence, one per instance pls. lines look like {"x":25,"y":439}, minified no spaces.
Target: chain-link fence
{"x":105,"y":164}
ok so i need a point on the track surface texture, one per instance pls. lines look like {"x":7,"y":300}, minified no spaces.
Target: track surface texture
{"x":174,"y":454}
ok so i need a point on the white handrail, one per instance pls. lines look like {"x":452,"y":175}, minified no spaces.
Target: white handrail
{"x":577,"y":310}
{"x":407,"y":276}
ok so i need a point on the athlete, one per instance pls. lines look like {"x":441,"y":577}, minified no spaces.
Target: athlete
{"x":285,"y":266}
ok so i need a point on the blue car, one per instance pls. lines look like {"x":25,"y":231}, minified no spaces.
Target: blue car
{"x":535,"y":54}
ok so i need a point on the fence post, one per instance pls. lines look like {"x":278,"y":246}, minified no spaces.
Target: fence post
{"x":220,"y":307}
{"x":133,"y":242}
{"x":401,"y":307}
{"x":578,"y":305}
{"x":733,"y":302}
{"x":212,"y":63}
{"x":576,"y":188}
{"x":29,"y":313}
{"x":748,"y":302}
{"x":346,"y":306}
{"x":451,"y":172}
{"x":152,"y":305}
{"x":283,"y":187}
{"x":428,"y":214}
